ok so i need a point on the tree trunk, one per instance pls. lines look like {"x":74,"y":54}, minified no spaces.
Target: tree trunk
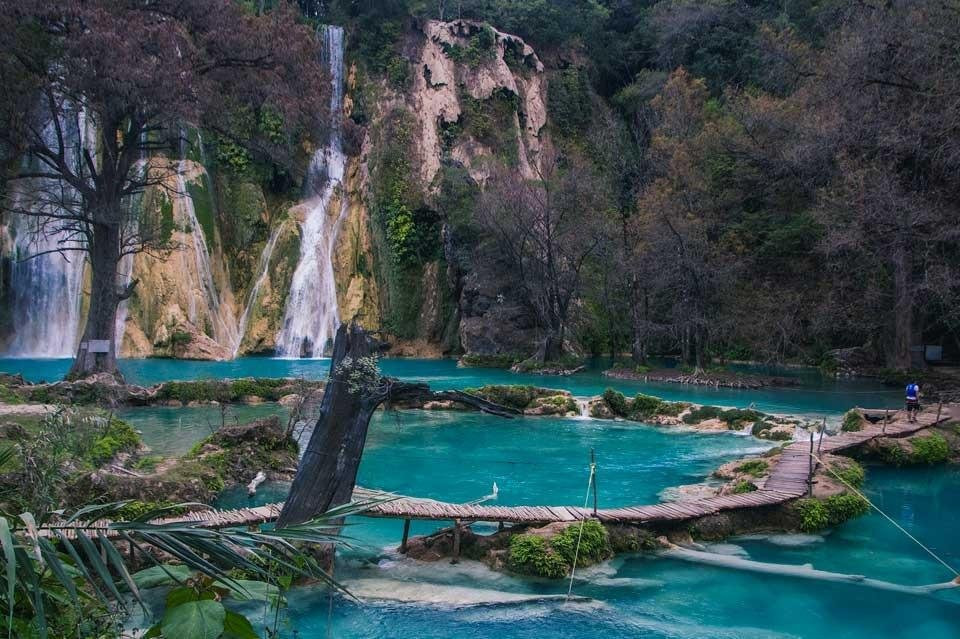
{"x":328,"y":470}
{"x":902,"y":311}
{"x":101,"y":326}
{"x":638,"y":313}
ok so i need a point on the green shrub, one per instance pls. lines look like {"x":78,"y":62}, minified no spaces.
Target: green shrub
{"x":702,"y":414}
{"x":841,"y":508}
{"x":9,"y":396}
{"x":672,"y":409}
{"x":148,"y":463}
{"x":118,"y":437}
{"x":852,"y":473}
{"x":736,"y":417}
{"x":529,"y":555}
{"x":852,"y":421}
{"x":616,"y":402}
{"x":512,"y":396}
{"x":645,"y":405}
{"x":813,"y":515}
{"x":744,"y":486}
{"x":594,"y":543}
{"x":502,"y":360}
{"x":754,"y":467}
{"x":930,"y":450}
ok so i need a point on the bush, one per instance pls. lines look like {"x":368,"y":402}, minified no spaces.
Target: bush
{"x":841,"y":508}
{"x":118,"y":437}
{"x":645,"y":405}
{"x":744,"y":486}
{"x":616,"y":402}
{"x":930,"y":450}
{"x":816,"y":514}
{"x":702,"y":414}
{"x":852,"y":421}
{"x":594,"y":543}
{"x":754,"y":467}
{"x":813,"y":515}
{"x":511,"y":396}
{"x":851,"y":473}
{"x":529,"y":555}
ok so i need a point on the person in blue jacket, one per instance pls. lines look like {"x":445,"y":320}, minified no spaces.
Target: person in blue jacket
{"x":913,"y":401}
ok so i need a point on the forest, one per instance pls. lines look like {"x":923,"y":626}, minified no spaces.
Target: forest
{"x":715,"y":181}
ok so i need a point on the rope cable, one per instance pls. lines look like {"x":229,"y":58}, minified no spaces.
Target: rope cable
{"x":886,"y":516}
{"x":576,"y":552}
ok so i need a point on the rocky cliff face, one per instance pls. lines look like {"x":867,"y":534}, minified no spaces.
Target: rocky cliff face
{"x":472,"y":96}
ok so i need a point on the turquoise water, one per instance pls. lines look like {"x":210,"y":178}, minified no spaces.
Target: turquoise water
{"x":458,"y":456}
{"x":816,"y":396}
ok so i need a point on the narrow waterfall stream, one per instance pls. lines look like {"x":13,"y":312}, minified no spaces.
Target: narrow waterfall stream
{"x":224,"y":323}
{"x":46,"y":286}
{"x":263,"y":269}
{"x":311,"y":315}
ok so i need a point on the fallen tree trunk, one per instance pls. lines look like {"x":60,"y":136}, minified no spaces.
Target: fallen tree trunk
{"x":800,"y":572}
{"x":328,"y":470}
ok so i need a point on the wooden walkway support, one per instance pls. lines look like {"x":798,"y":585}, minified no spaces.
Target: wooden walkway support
{"x":789,"y":479}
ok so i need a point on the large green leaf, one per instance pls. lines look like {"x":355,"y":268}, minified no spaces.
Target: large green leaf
{"x":194,"y":620}
{"x":236,"y":626}
{"x":248,"y":590}
{"x":9,"y":550}
{"x":161,"y":576}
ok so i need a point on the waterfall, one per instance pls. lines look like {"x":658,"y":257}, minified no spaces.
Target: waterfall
{"x":224,"y":324}
{"x":46,"y":289}
{"x":263,"y":270}
{"x":311,"y":315}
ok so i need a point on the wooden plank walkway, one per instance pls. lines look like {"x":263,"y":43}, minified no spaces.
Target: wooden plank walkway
{"x":788,"y":480}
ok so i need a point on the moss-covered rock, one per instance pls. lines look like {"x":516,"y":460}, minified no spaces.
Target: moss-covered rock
{"x":530,"y":399}
{"x":548,"y":553}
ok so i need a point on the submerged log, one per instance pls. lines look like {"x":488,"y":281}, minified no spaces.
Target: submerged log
{"x":328,"y":470}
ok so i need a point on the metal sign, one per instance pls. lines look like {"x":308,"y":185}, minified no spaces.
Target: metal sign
{"x":98,"y":346}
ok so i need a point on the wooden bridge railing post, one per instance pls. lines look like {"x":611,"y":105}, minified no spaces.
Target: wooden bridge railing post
{"x":593,"y":480}
{"x":810,"y":475}
{"x":456,"y":537}
{"x":823,"y":430}
{"x":406,"y":535}
{"x":939,"y":408}
{"x":886,"y":420}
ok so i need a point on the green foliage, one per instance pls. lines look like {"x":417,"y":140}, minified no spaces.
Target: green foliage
{"x":493,"y":122}
{"x":744,"y":486}
{"x":9,"y":396}
{"x":269,"y":389}
{"x":754,"y":467}
{"x":817,"y":514}
{"x":530,"y":555}
{"x":167,"y":224}
{"x":645,"y":405}
{"x":569,"y":103}
{"x":481,"y":47}
{"x":500,"y":360}
{"x":852,"y":421}
{"x":851,"y":472}
{"x":930,"y":450}
{"x":512,"y":396}
{"x":147,"y":463}
{"x":203,"y":208}
{"x":118,"y":437}
{"x":533,"y":555}
{"x":594,"y":543}
{"x":616,"y":402}
{"x":735,"y":418}
{"x":813,"y":515}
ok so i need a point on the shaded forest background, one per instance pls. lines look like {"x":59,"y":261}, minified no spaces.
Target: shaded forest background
{"x":757,"y":180}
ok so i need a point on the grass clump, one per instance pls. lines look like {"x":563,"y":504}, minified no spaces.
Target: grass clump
{"x":500,"y":360}
{"x":817,"y":514}
{"x":744,"y":486}
{"x":118,"y":437}
{"x":641,"y":406}
{"x":734,"y":418}
{"x":553,"y":558}
{"x":930,"y":450}
{"x":754,"y":468}
{"x":616,"y":402}
{"x":851,"y":473}
{"x":852,"y":421}
{"x":511,"y":396}
{"x":530,"y":555}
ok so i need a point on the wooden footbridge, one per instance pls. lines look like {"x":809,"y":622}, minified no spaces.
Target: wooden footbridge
{"x":789,"y":478}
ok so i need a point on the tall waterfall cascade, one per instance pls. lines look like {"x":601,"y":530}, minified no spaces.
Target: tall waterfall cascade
{"x":311,"y":316}
{"x":46,"y":285}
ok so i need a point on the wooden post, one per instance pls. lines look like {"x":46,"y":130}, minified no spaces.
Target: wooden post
{"x":406,"y":534}
{"x":939,"y":408}
{"x":810,"y":476}
{"x":593,"y":480}
{"x":500,"y":527}
{"x":456,"y":537}
{"x":886,"y":420}
{"x":823,"y":429}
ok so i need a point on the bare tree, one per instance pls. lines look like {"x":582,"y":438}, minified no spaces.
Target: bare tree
{"x":547,"y":230}
{"x":103,"y":88}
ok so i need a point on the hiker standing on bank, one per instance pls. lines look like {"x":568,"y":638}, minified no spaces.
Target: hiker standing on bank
{"x":913,"y":401}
